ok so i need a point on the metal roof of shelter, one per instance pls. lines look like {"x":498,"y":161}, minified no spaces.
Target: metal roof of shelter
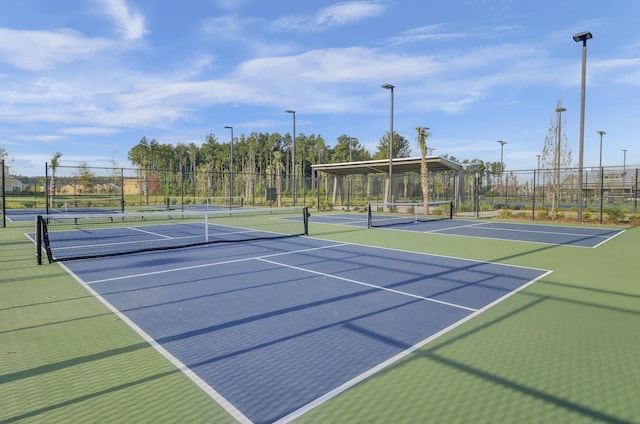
{"x":399,"y":165}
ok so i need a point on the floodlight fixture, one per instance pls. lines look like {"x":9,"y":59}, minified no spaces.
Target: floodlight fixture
{"x":582,"y":36}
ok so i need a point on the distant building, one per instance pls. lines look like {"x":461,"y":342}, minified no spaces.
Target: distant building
{"x":132,"y":186}
{"x":11,"y":184}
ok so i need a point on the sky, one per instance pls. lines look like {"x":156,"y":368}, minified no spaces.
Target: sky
{"x":90,"y":78}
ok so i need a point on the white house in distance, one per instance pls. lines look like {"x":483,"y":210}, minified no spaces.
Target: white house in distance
{"x":11,"y":184}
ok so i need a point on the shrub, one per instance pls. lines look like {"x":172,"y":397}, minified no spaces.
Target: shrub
{"x":615,"y":214}
{"x":439,"y":210}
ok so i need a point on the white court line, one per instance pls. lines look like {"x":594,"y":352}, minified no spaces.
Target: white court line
{"x":150,"y":232}
{"x":477,"y":224}
{"x":497,"y":228}
{"x":335,"y":392}
{"x":559,"y":233}
{"x":166,"y":271}
{"x":188,"y":372}
{"x":428,"y":299}
{"x":343,"y":387}
{"x":609,"y":238}
{"x":442,"y":231}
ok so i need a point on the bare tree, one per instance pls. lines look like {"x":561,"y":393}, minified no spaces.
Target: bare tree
{"x":276,"y":169}
{"x":423,"y":134}
{"x":55,"y":162}
{"x":556,"y":155}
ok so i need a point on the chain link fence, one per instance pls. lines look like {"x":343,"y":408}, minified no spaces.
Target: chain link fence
{"x":608,"y":194}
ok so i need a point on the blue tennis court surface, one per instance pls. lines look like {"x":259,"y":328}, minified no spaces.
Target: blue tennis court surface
{"x":576,"y":236}
{"x":273,"y":328}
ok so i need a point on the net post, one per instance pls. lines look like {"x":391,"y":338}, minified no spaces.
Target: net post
{"x":46,"y":188}
{"x":451,"y":209}
{"x":45,"y":239}
{"x":305,"y":218}
{"x":39,"y":239}
{"x":369,"y":215}
{"x":206,"y":227}
{"x":4,"y":199}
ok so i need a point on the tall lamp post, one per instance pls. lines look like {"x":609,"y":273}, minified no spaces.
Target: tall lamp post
{"x":582,"y":37}
{"x":390,"y":191}
{"x":293,"y":154}
{"x":502,"y":143}
{"x":601,"y":176}
{"x":230,"y":168}
{"x":351,"y":141}
{"x":558,"y":191}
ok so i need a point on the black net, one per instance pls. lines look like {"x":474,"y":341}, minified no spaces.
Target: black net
{"x":387,"y":214}
{"x":79,"y":236}
{"x":85,"y":204}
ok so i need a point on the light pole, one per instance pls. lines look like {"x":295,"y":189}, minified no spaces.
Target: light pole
{"x":601,"y":176}
{"x":557,"y":191}
{"x":293,"y":154}
{"x":390,"y":191}
{"x":351,"y":140}
{"x":502,"y":143}
{"x":230,"y":169}
{"x":582,"y":36}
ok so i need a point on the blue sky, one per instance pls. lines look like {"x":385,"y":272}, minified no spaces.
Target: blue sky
{"x":90,"y":78}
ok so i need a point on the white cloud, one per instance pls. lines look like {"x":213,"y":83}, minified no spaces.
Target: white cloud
{"x":426,"y":33}
{"x":41,"y":50}
{"x":335,"y":15}
{"x":128,"y":22}
{"x":228,"y":27}
{"x":40,"y":138}
{"x":89,"y":131}
{"x":230,"y":4}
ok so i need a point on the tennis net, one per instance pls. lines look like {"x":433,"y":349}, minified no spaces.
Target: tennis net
{"x":83,"y":204}
{"x":387,"y":214}
{"x":65,"y":237}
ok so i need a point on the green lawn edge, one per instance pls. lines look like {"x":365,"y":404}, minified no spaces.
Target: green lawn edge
{"x":562,"y":350}
{"x":67,"y":358}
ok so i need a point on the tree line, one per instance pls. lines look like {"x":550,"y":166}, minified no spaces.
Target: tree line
{"x":256,"y":153}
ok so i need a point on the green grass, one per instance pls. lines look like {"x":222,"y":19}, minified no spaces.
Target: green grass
{"x":67,"y":358}
{"x":563,"y":350}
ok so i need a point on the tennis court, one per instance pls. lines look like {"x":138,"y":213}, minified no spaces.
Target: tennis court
{"x":350,"y":324}
{"x":575,"y":236}
{"x":30,"y":214}
{"x":274,"y":327}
